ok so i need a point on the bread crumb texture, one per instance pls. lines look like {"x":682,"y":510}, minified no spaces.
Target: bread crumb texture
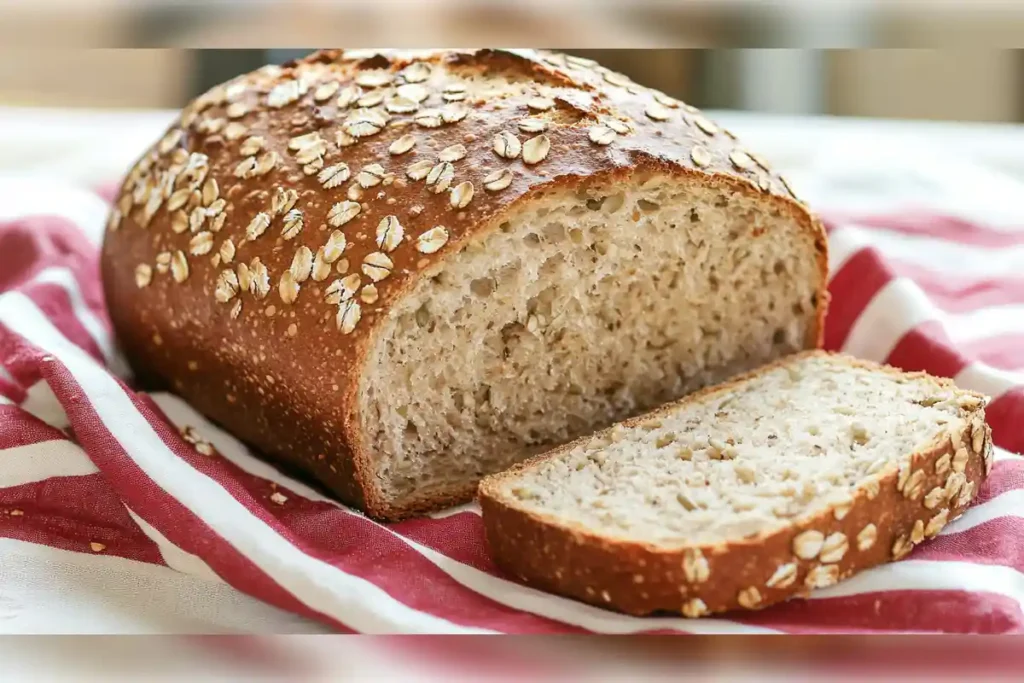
{"x":793,"y":477}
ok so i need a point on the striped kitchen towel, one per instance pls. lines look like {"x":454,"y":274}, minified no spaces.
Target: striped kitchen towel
{"x":91,"y":466}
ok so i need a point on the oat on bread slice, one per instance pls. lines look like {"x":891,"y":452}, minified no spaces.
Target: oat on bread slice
{"x":786,"y":479}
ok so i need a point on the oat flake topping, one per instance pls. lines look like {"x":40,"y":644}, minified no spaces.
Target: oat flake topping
{"x":309,"y":152}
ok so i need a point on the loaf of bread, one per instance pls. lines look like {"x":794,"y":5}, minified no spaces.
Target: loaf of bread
{"x":396,"y":272}
{"x":784,"y":480}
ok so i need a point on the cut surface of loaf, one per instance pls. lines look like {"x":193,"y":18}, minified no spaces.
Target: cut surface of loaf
{"x":787,"y":479}
{"x":398,"y":271}
{"x":586,"y":307}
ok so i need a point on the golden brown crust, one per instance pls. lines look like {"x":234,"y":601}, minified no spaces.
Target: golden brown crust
{"x":639,"y":578}
{"x":282,"y":372}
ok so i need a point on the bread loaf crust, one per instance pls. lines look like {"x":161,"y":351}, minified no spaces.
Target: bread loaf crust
{"x":282,"y":372}
{"x":638,"y":578}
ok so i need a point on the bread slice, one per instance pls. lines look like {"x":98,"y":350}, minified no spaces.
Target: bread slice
{"x":786,"y":479}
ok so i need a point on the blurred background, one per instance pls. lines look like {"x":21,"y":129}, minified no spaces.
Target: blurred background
{"x":938,"y":84}
{"x":946,"y":68}
{"x":859,"y":102}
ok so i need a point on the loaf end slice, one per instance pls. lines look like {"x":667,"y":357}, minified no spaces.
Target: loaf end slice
{"x":787,"y":479}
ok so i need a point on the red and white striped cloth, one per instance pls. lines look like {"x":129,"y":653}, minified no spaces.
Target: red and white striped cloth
{"x":90,"y":466}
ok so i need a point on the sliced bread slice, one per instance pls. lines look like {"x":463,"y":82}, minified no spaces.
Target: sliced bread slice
{"x":784,"y":480}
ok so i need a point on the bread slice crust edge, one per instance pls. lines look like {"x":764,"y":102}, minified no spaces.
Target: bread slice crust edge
{"x":640,"y":578}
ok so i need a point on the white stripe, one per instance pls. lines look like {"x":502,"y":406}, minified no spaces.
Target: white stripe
{"x":181,"y":414}
{"x":932,"y":575}
{"x":65,"y":279}
{"x":50,"y":590}
{"x":988,"y":380}
{"x":843,"y":243}
{"x":25,"y":197}
{"x":984,"y":322}
{"x":935,"y":253}
{"x":174,"y":557}
{"x":998,"y":454}
{"x":351,"y":599}
{"x":897,"y":308}
{"x":1008,"y":504}
{"x":41,"y":402}
{"x":505,"y":592}
{"x":980,"y":323}
{"x":472,"y":507}
{"x":500,"y":590}
{"x":41,"y":461}
{"x":4,"y":375}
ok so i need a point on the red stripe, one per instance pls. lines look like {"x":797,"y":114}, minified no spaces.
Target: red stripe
{"x":108,"y":191}
{"x":24,"y":253}
{"x":896,"y":611}
{"x":1004,"y":351}
{"x":11,"y":391}
{"x":995,"y":542}
{"x":380,"y":558}
{"x":440,"y":534}
{"x":30,"y":244}
{"x":71,"y":513}
{"x":991,"y":543}
{"x":959,"y":293}
{"x":852,"y":288}
{"x":142,"y":495}
{"x":18,"y":359}
{"x":20,"y":428}
{"x":927,"y":348}
{"x":55,"y":303}
{"x":1007,"y":475}
{"x":459,"y":536}
{"x":1005,"y":415}
{"x":926,"y":224}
